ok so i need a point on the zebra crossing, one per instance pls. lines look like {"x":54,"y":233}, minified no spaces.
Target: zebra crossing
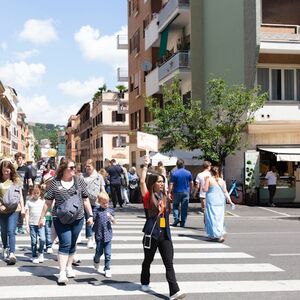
{"x":201,"y":268}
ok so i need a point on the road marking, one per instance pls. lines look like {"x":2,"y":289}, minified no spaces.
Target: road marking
{"x":274,"y":211}
{"x":178,"y":255}
{"x":42,"y":271}
{"x":285,"y":254}
{"x":140,"y":246}
{"x":133,"y":288}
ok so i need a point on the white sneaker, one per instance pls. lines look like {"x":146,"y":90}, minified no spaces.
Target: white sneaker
{"x":178,"y":295}
{"x":62,"y":277}
{"x":11,"y":259}
{"x":90,"y":243}
{"x":49,"y":250}
{"x":70,"y":273}
{"x":41,"y":258}
{"x":35,"y":260}
{"x":107,"y":273}
{"x":145,"y":288}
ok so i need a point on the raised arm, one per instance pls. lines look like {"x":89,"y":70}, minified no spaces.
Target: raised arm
{"x":143,"y":185}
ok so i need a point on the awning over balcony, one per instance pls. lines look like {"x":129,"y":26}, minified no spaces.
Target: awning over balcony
{"x":163,"y":42}
{"x":284,"y":154}
{"x":280,"y":48}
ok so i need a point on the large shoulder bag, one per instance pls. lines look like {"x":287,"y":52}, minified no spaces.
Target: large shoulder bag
{"x":12,"y":197}
{"x":69,"y":210}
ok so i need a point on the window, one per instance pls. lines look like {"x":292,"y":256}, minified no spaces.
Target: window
{"x":116,"y":117}
{"x":281,"y":84}
{"x":119,"y":141}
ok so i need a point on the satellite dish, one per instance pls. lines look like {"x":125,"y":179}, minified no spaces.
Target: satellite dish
{"x":146,"y":66}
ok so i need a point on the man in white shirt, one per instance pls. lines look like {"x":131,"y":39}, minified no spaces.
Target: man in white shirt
{"x":271,"y":176}
{"x":199,"y":183}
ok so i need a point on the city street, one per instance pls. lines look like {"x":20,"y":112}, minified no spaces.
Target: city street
{"x":259,"y":259}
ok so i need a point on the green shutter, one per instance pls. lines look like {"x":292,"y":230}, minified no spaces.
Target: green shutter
{"x":163,"y":42}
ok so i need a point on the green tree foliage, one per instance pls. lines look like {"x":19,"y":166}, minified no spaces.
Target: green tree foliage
{"x":37,"y":151}
{"x":216,"y":129}
{"x":99,"y":92}
{"x":46,"y":131}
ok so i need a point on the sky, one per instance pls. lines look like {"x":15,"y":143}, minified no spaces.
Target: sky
{"x":57,"y":53}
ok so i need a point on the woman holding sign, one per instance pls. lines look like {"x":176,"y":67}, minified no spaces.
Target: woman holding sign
{"x":157,"y":230}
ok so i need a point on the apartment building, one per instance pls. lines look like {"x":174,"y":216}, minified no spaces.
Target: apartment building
{"x":110,"y":126}
{"x":84,"y":132}
{"x":70,"y":134}
{"x":12,"y":96}
{"x":6,"y":109}
{"x":22,"y":131}
{"x":140,"y":62}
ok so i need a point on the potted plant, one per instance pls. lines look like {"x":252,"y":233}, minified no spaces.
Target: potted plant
{"x":250,"y":185}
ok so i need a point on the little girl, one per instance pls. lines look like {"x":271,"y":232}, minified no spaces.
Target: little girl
{"x":103,"y":218}
{"x":33,"y":208}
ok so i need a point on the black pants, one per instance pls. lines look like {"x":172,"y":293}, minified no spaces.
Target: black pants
{"x":134,"y":195}
{"x":272,"y":190}
{"x":166,"y":251}
{"x":116,"y":195}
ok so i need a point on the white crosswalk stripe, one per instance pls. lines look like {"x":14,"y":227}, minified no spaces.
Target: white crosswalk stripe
{"x":193,"y":258}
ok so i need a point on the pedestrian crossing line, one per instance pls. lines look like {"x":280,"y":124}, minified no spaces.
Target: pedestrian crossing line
{"x":133,"y":288}
{"x":140,"y":246}
{"x":43,"y":270}
{"x":178,"y":255}
{"x":136,"y":238}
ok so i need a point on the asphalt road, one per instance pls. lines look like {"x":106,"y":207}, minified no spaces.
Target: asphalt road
{"x":259,"y":260}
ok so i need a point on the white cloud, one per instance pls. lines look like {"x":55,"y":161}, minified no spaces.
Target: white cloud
{"x":39,"y":31}
{"x":22,"y":74}
{"x":39,"y":109}
{"x":3,"y":46}
{"x":95,"y":47}
{"x":27,"y":54}
{"x":79,"y":89}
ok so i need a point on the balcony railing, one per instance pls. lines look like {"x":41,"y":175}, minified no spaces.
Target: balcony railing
{"x":122,"y":42}
{"x":123,"y":74}
{"x":180,"y":61}
{"x":169,"y":11}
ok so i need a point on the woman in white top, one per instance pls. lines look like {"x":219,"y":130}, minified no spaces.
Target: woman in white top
{"x":271,"y":176}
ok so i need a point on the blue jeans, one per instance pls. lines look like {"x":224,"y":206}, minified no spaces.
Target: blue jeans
{"x":67,"y":235}
{"x":180,"y":199}
{"x":88,"y":228}
{"x":8,"y":224}
{"x":101,"y":247}
{"x":35,"y":233}
{"x":48,"y":233}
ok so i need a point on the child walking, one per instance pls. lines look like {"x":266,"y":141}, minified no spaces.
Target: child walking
{"x":103,"y":218}
{"x":33,"y":208}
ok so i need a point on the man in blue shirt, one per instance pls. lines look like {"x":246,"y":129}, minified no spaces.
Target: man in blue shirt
{"x":181,"y":184}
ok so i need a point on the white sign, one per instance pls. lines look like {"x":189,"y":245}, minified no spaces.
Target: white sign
{"x":147,"y":141}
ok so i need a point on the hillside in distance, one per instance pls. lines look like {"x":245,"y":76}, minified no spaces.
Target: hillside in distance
{"x":45,"y":131}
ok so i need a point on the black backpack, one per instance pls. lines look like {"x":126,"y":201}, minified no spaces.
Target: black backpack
{"x":69,"y":210}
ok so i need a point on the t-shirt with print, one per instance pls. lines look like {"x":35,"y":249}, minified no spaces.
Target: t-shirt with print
{"x":25,"y":175}
{"x":94,"y":183}
{"x":60,"y":194}
{"x":34,"y":208}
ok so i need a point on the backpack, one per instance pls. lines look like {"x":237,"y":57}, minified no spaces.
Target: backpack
{"x":69,"y":210}
{"x":12,"y":197}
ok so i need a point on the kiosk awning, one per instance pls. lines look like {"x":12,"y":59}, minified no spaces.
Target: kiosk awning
{"x":284,"y":154}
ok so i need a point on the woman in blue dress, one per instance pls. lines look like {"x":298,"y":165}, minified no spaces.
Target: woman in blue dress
{"x":216,"y":196}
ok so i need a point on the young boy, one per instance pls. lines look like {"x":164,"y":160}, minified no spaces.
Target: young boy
{"x":33,"y":209}
{"x":103,"y":218}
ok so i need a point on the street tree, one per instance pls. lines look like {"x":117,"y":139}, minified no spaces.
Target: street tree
{"x":37,"y":151}
{"x":217,"y":128}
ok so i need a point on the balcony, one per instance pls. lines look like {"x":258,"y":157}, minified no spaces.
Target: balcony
{"x":176,"y":12}
{"x":152,"y":83}
{"x":178,"y":63}
{"x":152,"y":34}
{"x":122,"y":42}
{"x":280,"y":39}
{"x":122,"y":74}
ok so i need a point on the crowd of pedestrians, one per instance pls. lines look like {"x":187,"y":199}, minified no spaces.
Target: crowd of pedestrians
{"x":54,"y":203}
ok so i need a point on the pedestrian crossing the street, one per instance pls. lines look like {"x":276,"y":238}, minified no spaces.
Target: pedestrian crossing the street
{"x":201,"y":267}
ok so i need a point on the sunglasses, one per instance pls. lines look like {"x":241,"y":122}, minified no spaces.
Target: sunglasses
{"x":71,"y":168}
